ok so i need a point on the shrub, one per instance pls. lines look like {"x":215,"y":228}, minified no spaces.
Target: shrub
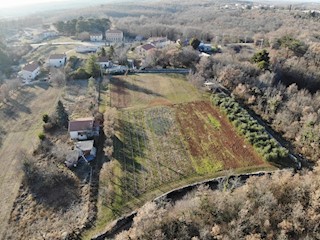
{"x":45,"y":118}
{"x":41,"y":136}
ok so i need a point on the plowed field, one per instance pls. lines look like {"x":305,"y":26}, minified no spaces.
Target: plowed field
{"x":213,"y":142}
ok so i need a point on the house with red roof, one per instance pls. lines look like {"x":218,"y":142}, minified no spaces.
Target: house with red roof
{"x":144,"y":49}
{"x":83,"y":128}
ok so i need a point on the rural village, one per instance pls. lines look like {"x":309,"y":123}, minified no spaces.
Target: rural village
{"x":103,"y":121}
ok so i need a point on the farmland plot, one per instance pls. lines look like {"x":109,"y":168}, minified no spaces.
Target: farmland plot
{"x":147,"y":90}
{"x":213,"y":142}
{"x":168,"y":134}
{"x":150,"y":150}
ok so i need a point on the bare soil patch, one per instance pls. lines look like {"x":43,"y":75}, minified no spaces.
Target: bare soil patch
{"x":222,"y":144}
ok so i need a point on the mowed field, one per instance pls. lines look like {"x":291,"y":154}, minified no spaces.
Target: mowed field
{"x":21,"y":121}
{"x":168,"y":134}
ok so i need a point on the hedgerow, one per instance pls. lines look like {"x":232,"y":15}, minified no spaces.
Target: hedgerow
{"x":250,"y":128}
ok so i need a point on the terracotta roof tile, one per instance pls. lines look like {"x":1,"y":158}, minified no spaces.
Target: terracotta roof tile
{"x":81,"y":124}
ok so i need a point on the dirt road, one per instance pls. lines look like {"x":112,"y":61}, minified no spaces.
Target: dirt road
{"x":21,"y":119}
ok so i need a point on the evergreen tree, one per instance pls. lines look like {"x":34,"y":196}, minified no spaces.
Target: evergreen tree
{"x":262,"y":59}
{"x":195,"y":42}
{"x":103,"y":52}
{"x":111,"y":52}
{"x":92,"y":68}
{"x":62,"y":115}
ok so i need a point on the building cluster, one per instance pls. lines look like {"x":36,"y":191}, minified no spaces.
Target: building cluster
{"x":111,"y":35}
{"x":83,"y":132}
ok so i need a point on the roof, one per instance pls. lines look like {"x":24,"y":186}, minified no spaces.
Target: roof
{"x":85,"y":145}
{"x":81,"y":124}
{"x":30,"y":67}
{"x":147,"y":47}
{"x":57,"y":56}
{"x":113,"y":31}
{"x":96,"y":34}
{"x":102,"y":59}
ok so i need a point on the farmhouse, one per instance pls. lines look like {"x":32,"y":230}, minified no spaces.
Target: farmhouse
{"x":104,"y":62}
{"x":144,"y":49}
{"x":96,"y":37}
{"x":57,"y":60}
{"x":114,"y":36}
{"x":83,"y":128}
{"x":159,"y":42}
{"x":30,"y":71}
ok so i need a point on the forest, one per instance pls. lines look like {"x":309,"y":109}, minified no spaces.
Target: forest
{"x":280,"y":206}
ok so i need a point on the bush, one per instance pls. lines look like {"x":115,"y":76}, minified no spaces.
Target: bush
{"x":41,"y":136}
{"x":45,"y":118}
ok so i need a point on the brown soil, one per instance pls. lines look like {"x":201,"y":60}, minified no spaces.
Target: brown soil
{"x":223,"y":144}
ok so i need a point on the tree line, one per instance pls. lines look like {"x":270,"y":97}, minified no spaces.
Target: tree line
{"x":78,"y":25}
{"x":283,"y":90}
{"x":280,"y":206}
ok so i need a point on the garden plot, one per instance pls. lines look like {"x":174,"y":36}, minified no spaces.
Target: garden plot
{"x":150,"y":150}
{"x":213,"y":142}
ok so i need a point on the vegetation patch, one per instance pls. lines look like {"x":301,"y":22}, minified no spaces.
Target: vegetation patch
{"x":212,"y":147}
{"x":250,"y":128}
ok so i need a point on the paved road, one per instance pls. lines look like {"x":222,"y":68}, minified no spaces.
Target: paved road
{"x":165,"y":70}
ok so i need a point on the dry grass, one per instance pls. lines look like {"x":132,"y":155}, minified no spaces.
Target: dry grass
{"x":21,"y":118}
{"x":52,"y":200}
{"x":147,"y":90}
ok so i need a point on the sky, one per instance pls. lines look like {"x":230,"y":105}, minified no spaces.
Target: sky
{"x":15,"y":3}
{"x":20,"y":3}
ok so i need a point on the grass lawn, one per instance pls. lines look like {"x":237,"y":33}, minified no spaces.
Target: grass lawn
{"x":147,"y":90}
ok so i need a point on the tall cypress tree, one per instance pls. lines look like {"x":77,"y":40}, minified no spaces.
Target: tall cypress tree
{"x":62,"y":115}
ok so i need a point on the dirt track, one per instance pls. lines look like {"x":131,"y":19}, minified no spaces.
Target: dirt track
{"x":21,"y":118}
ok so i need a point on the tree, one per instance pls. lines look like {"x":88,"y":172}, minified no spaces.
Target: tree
{"x":62,"y":115}
{"x":103,"y":52}
{"x":262,"y":59}
{"x":111,"y":52}
{"x":92,"y":68}
{"x":194,"y":42}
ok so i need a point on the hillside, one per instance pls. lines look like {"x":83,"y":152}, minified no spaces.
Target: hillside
{"x":281,"y":206}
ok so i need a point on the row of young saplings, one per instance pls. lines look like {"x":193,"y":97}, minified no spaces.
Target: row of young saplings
{"x":250,"y":128}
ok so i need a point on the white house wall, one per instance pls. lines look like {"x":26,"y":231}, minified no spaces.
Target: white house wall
{"x":30,"y":75}
{"x":57,"y":62}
